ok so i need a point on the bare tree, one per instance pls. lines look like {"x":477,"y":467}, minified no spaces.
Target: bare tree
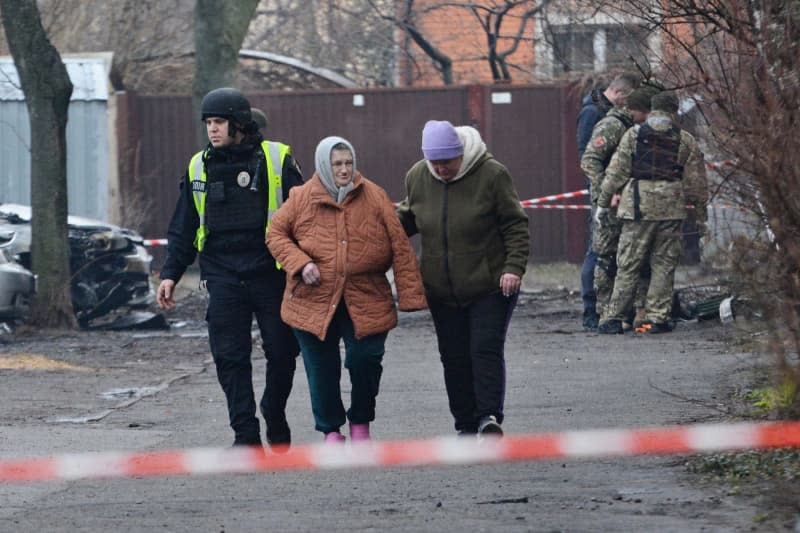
{"x":219,"y":33}
{"x":406,"y":17}
{"x":491,"y":16}
{"x":345,"y":36}
{"x":47,"y":89}
{"x":152,"y":50}
{"x":739,"y":61}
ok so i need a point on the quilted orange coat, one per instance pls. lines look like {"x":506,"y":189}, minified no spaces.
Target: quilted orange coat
{"x":353,"y":246}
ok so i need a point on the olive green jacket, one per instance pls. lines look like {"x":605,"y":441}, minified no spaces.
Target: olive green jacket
{"x":473,"y":230}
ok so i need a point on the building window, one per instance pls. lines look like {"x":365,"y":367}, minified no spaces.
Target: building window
{"x":623,"y":43}
{"x":587,"y":48}
{"x":573,"y":50}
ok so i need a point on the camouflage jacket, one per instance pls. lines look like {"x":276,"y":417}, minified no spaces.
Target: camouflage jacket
{"x":658,"y":200}
{"x":605,"y":138}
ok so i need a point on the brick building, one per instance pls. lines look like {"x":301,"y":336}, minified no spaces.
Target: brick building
{"x":559,"y":41}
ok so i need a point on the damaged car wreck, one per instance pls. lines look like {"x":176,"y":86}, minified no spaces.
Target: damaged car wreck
{"x":110,"y":268}
{"x":17,"y":283}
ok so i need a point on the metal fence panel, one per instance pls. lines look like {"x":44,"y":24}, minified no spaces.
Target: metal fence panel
{"x":384,"y":125}
{"x":525,"y":135}
{"x":15,"y":154}
{"x":87,"y":156}
{"x":87,"y":159}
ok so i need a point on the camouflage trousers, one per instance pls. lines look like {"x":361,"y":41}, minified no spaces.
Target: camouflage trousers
{"x":605,"y":240}
{"x":658,"y":241}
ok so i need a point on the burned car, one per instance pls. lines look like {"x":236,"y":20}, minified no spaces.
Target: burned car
{"x":110,"y":266}
{"x":17,"y":283}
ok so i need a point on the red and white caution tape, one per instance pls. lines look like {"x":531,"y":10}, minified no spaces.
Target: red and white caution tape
{"x":438,"y":451}
{"x":557,"y":206}
{"x":716,"y":165}
{"x":154,"y":243}
{"x":551,"y":198}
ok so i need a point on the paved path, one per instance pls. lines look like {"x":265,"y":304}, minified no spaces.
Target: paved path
{"x":559,"y":378}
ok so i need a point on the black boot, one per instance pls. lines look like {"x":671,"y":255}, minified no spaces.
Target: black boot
{"x":279,"y":437}
{"x":612,"y":327}
{"x":660,"y":327}
{"x":247,"y":440}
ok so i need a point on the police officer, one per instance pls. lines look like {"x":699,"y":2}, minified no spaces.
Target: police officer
{"x":228,"y":195}
{"x":659,"y":169}
{"x":602,"y":145}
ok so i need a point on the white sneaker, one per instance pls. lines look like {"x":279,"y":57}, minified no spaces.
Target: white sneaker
{"x":489,"y":426}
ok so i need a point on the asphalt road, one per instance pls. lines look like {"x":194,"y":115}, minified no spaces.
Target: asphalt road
{"x":559,"y":378}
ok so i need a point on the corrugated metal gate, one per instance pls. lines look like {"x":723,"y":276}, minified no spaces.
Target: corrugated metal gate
{"x":90,"y":179}
{"x":529,"y":129}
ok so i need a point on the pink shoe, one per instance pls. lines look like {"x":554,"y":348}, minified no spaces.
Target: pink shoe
{"x":359,"y":432}
{"x":334,"y":436}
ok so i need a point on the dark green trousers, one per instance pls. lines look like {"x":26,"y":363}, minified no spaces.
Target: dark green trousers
{"x":323,"y":365}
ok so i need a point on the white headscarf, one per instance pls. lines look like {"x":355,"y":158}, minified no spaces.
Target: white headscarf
{"x":322,"y":160}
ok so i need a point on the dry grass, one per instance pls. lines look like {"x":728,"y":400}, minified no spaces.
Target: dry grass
{"x":28,"y":361}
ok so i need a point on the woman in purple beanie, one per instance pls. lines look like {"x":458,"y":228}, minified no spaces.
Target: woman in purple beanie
{"x":475,"y":243}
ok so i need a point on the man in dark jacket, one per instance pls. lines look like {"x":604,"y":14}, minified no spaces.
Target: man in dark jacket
{"x":595,"y":106}
{"x":227,"y":198}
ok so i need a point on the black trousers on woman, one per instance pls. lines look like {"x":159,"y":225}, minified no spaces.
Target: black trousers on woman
{"x":472,"y":348}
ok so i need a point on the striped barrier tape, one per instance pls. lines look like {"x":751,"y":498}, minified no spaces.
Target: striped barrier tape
{"x":553,"y":197}
{"x":587,"y":206}
{"x":438,"y":451}
{"x":532,"y":203}
{"x":557,"y":206}
{"x":153,"y":243}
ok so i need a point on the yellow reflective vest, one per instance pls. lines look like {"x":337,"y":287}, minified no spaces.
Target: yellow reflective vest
{"x":275,"y":154}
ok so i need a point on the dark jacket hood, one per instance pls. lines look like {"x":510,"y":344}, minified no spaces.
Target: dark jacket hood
{"x":596,"y":97}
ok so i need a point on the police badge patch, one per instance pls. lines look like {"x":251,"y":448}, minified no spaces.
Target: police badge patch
{"x":243,"y":179}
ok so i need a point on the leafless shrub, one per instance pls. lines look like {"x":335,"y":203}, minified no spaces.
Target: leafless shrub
{"x":739,"y":60}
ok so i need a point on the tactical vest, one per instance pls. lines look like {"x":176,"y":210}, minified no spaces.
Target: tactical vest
{"x":627,"y":123}
{"x":656,"y":155}
{"x":655,"y":159}
{"x":232,"y":202}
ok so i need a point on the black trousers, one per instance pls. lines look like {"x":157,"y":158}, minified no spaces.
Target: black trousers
{"x":471,"y":344}
{"x":231,"y":308}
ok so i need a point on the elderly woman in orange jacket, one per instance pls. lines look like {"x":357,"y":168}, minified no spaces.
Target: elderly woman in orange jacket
{"x":337,"y":236}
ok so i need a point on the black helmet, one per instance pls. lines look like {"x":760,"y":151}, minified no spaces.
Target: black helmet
{"x":259,"y":118}
{"x":227,"y":103}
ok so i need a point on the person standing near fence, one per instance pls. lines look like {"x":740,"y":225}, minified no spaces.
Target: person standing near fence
{"x":605,"y":138}
{"x":227,"y":197}
{"x":595,"y":106}
{"x":660,"y":169}
{"x":475,"y":243}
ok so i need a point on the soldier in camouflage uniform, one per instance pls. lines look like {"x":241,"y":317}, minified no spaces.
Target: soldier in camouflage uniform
{"x":594,"y":107}
{"x":605,"y":137}
{"x":659,"y":169}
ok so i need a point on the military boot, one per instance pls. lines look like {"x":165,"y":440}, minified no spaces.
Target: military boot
{"x":660,"y":327}
{"x":612,"y":327}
